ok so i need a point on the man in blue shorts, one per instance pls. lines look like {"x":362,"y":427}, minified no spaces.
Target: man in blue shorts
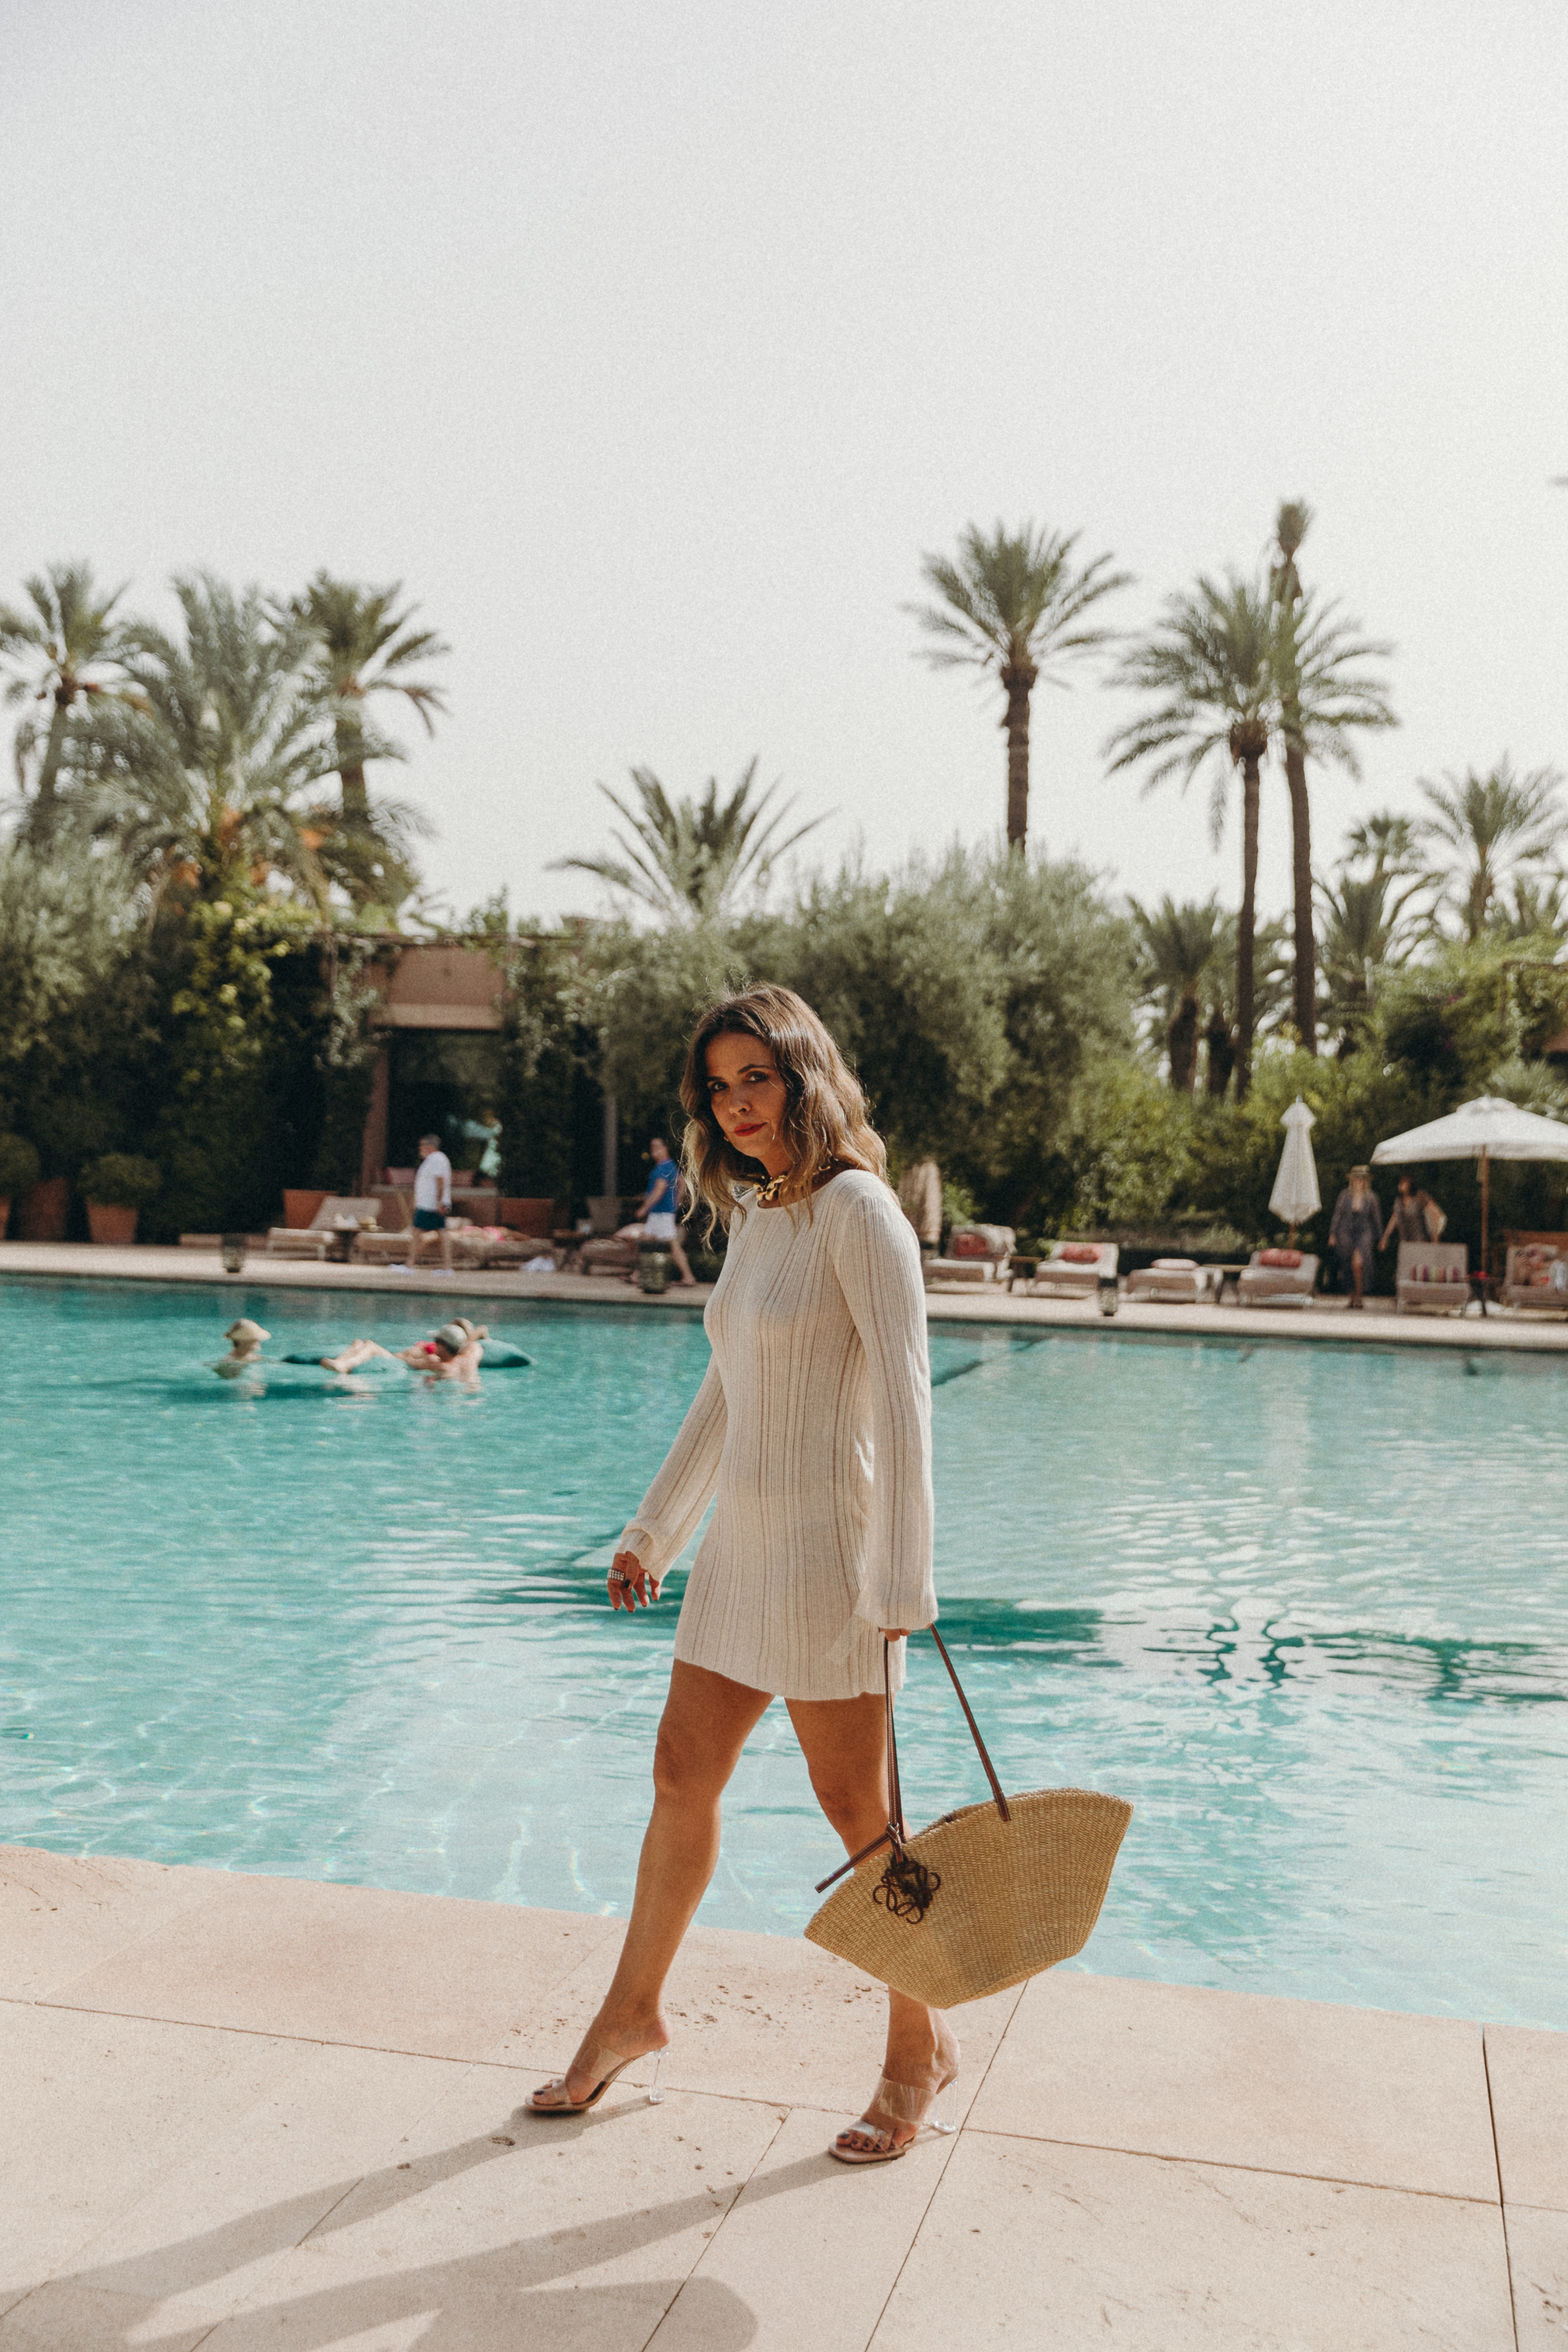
{"x":432,"y":1200}
{"x":661,"y":1206}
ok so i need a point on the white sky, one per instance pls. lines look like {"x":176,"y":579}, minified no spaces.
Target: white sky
{"x":650,"y":345}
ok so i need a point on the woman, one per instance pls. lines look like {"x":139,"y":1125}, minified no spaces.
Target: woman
{"x":1406,"y":1218}
{"x":813,"y":1425}
{"x":1354,"y":1231}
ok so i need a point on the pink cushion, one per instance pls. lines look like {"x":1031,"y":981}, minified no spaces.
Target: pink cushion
{"x":1079,"y":1254}
{"x":969,"y":1245}
{"x":1287,"y":1257}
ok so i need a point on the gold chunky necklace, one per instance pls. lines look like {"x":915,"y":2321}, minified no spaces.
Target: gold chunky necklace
{"x":774,"y":1188}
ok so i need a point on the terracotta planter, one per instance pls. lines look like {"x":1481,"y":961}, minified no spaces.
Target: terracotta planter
{"x":41,"y":1211}
{"x":109,"y":1223}
{"x":299,"y":1208}
{"x":4,"y":1213}
{"x":529,"y":1216}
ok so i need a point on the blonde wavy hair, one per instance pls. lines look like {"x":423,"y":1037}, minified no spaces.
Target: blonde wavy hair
{"x":826,"y":1121}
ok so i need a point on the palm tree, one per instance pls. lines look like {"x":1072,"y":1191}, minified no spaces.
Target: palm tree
{"x":1211,"y":669}
{"x":1388,"y":843}
{"x":202,"y":786}
{"x":1180,"y":945}
{"x":1015,"y":604}
{"x":1492,"y":825}
{"x":1324,"y":694}
{"x":687,"y":859}
{"x":68,"y":648}
{"x":359,"y":645}
{"x":1365,"y":929}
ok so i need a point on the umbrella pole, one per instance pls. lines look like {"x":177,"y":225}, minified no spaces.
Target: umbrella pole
{"x":1486,"y":1189}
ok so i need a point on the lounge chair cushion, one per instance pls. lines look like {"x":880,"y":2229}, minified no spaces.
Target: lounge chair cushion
{"x":1174,"y":1266}
{"x":1278,"y":1257}
{"x":1079,"y":1254}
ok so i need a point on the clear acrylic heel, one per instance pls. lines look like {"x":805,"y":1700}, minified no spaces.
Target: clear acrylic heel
{"x":656,"y":2088}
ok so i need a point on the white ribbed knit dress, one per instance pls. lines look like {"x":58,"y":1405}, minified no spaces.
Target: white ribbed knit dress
{"x":813,"y":1425}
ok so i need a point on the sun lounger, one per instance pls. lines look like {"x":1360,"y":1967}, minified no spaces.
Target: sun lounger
{"x":1270,"y":1281}
{"x":1177,"y":1282}
{"x":976,"y":1254}
{"x":332,"y":1227}
{"x":1432,"y":1278}
{"x":1535,"y":1278}
{"x":1073,"y":1269}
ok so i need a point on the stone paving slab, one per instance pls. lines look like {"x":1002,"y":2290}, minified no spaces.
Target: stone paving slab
{"x":1294,"y":2087}
{"x":278,"y":2152}
{"x":1028,"y":2244}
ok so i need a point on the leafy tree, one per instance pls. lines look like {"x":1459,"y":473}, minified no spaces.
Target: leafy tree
{"x":1324,"y":695}
{"x":357,"y":644}
{"x":688,"y":860}
{"x":1015,"y":604}
{"x":202,"y":786}
{"x":1130,"y":1147}
{"x":66,"y":650}
{"x":1181,"y":947}
{"x":1210,"y":669}
{"x":1485,"y":828}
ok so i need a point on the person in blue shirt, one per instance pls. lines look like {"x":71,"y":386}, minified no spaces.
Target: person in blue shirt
{"x":661,"y":1208}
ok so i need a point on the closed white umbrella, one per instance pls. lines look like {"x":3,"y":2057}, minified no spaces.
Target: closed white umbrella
{"x":1296,"y":1196}
{"x":1486,"y":1130}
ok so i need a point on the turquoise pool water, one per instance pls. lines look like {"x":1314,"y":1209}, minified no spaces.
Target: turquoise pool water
{"x":1306,"y":1607}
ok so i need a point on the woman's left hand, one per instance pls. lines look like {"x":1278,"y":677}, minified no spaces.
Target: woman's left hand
{"x":895,"y":1633}
{"x":629,"y":1583}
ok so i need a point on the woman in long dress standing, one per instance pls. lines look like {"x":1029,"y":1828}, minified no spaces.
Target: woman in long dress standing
{"x":812,"y":1427}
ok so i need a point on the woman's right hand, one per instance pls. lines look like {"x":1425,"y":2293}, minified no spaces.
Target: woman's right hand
{"x":630,"y":1585}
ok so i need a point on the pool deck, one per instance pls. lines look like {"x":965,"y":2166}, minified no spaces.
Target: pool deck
{"x":1322,"y":1320}
{"x":247,"y":2112}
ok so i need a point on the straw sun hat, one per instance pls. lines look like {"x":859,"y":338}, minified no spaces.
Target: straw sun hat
{"x":246,"y":1330}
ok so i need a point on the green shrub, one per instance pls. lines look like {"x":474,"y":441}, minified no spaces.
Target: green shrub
{"x":120,"y":1180}
{"x":18,"y":1165}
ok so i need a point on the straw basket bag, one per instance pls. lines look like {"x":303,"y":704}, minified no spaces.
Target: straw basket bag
{"x":984,"y":1897}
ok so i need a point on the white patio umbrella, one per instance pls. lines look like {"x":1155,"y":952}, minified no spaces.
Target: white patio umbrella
{"x":1296,"y":1196}
{"x":1486,"y":1130}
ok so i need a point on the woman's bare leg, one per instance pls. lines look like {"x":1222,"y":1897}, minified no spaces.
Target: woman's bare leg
{"x":1357,"y":1276}
{"x":706,"y":1721}
{"x":358,"y":1351}
{"x":845,"y":1744}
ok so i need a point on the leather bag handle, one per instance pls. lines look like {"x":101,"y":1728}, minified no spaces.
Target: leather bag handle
{"x":895,"y":1832}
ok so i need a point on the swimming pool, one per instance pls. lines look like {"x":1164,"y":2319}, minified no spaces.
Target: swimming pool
{"x":1306,"y":1606}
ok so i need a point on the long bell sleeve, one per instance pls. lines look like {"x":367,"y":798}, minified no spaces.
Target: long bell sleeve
{"x":684,"y":1484}
{"x":876,"y":1260}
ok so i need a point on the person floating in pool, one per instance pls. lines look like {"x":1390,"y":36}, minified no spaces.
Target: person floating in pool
{"x":659,"y":1209}
{"x":452,"y":1353}
{"x":246,"y":1340}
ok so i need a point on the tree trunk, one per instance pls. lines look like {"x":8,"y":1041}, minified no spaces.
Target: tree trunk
{"x":1246,"y":929}
{"x":1182,"y":1044}
{"x":1305,"y":975}
{"x":1019,"y":682}
{"x":1222,"y":1056}
{"x":47,"y":802}
{"x":356,"y":799}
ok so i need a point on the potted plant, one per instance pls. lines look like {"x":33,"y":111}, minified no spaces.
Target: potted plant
{"x":117,"y":1187}
{"x":18,"y":1172}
